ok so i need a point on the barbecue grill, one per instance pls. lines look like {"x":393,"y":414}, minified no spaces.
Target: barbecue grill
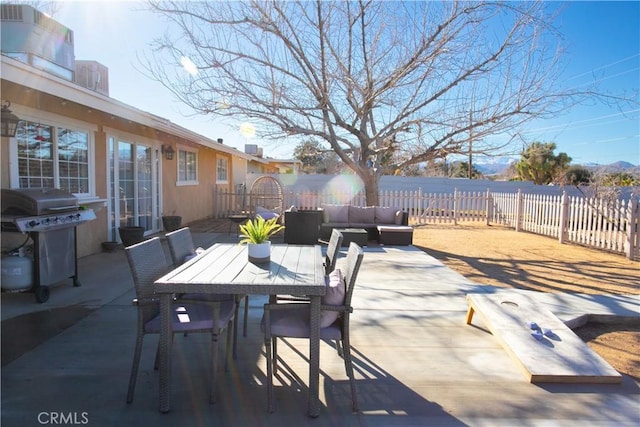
{"x":49,"y":216}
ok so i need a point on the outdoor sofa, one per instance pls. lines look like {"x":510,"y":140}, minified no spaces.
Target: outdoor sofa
{"x":386,"y":225}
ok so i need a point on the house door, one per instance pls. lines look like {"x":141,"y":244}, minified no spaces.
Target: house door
{"x":133,"y":186}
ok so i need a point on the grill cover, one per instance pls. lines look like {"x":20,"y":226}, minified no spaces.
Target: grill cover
{"x":37,"y":201}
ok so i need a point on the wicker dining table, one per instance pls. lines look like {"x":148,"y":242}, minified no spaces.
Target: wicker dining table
{"x":224,"y":268}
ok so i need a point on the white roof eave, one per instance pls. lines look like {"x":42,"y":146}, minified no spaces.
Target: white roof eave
{"x":25,"y":75}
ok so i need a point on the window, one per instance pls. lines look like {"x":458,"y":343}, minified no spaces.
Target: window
{"x":187,"y":167}
{"x":73,"y":161}
{"x":53,"y":157}
{"x":222,"y":170}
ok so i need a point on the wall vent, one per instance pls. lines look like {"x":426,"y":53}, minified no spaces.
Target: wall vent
{"x":11,"y":12}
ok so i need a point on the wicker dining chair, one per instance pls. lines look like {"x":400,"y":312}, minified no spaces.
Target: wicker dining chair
{"x":330,"y":260}
{"x":333,"y":250}
{"x":182,"y":249}
{"x":291,"y":320}
{"x":147,"y":262}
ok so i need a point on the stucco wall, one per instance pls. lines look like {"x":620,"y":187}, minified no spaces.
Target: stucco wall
{"x":192,"y":202}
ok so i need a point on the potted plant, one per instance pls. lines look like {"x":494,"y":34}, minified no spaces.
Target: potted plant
{"x":130,"y":235}
{"x":256,"y":234}
{"x":171,"y":222}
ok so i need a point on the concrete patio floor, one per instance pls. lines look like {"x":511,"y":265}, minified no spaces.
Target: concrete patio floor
{"x":417,"y":362}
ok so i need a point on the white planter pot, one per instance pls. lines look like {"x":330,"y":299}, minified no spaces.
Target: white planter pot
{"x":259,"y":252}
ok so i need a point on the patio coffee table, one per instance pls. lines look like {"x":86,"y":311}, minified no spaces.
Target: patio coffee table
{"x":359,"y":236}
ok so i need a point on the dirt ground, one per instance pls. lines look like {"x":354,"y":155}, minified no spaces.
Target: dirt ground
{"x":499,"y":256}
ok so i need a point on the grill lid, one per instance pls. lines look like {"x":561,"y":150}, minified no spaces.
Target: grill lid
{"x":37,"y":201}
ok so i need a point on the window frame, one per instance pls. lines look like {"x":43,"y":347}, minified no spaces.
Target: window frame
{"x":180,"y":181}
{"x":57,"y":125}
{"x":224,"y":180}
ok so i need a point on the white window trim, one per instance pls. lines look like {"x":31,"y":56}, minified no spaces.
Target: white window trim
{"x":225,"y":181}
{"x":184,"y":183}
{"x":49,"y":119}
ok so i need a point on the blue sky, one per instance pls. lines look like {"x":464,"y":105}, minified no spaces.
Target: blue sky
{"x":602,"y":41}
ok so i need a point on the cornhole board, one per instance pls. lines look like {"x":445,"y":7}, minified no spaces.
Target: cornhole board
{"x":561,"y":358}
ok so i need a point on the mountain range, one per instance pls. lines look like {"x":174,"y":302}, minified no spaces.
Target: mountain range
{"x":498,"y":165}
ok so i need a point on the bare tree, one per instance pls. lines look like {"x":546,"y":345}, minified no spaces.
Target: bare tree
{"x":409,"y":81}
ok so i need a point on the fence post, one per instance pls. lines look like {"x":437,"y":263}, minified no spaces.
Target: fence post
{"x":564,"y":212}
{"x":456,"y":205}
{"x":421,"y":208}
{"x":489,"y":210}
{"x":215,"y":202}
{"x":519,"y":210}
{"x":632,"y":248}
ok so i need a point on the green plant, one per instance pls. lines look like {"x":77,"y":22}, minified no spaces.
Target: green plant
{"x":259,"y":230}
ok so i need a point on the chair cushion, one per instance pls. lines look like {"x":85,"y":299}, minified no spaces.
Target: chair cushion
{"x":192,"y":255}
{"x":266,"y":214}
{"x":334,"y":296}
{"x":193,"y":317}
{"x":395,"y":229}
{"x":336,"y":213}
{"x":293,"y":322}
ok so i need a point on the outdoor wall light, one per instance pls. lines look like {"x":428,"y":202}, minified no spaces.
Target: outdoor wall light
{"x":9,"y":122}
{"x":168,"y":152}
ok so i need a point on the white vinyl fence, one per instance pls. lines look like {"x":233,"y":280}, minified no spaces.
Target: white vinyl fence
{"x":611,"y":225}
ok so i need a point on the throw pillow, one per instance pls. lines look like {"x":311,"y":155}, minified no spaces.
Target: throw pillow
{"x":334,"y":296}
{"x":385,"y":215}
{"x":336,"y":213}
{"x":399,"y":215}
{"x":361,"y":215}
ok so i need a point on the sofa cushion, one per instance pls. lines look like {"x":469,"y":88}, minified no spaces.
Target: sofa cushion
{"x":336,"y":213}
{"x":385,"y":215}
{"x":334,"y":296}
{"x":361,"y":215}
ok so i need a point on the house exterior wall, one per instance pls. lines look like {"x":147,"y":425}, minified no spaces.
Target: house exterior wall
{"x":192,"y":202}
{"x":45,"y":99}
{"x":239,"y":168}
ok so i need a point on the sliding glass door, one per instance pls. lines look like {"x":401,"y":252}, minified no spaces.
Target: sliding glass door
{"x":134,"y":185}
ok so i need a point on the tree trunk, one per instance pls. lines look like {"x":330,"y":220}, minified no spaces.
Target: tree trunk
{"x":371,"y":188}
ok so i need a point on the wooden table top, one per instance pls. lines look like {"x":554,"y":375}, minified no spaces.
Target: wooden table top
{"x":293,"y":269}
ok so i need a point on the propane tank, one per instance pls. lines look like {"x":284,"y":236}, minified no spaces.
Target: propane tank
{"x":17,"y":273}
